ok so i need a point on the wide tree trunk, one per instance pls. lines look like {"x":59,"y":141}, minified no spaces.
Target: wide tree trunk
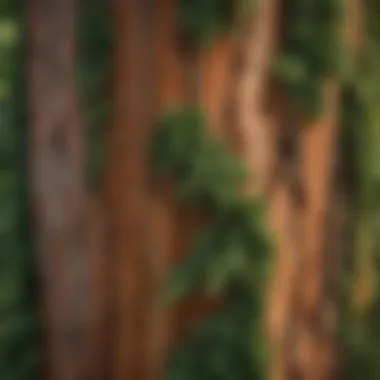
{"x":126,"y":198}
{"x":300,"y":320}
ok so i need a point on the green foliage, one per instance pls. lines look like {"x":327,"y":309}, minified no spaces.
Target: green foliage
{"x":94,"y":68}
{"x":206,"y":176}
{"x":223,"y":346}
{"x":20,"y":341}
{"x":361,"y":126}
{"x":228,"y":258}
{"x":201,"y":21}
{"x":310,"y":40}
{"x":231,"y":250}
{"x":309,"y":49}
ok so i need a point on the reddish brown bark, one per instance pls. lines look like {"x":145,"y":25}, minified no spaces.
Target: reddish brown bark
{"x":216,"y":84}
{"x":98,"y":297}
{"x":314,"y":349}
{"x":168,"y":83}
{"x":302,"y":319}
{"x":58,"y":189}
{"x":126,"y":193}
{"x":325,"y":229}
{"x":148,"y":229}
{"x":142,"y":260}
{"x":300,"y":233}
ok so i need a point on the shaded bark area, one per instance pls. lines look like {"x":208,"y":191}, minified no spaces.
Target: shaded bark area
{"x":58,"y":191}
{"x":326,"y":227}
{"x":98,"y":297}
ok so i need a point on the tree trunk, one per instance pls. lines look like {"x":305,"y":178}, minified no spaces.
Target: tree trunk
{"x":58,"y":189}
{"x":146,"y":79}
{"x":297,"y":342}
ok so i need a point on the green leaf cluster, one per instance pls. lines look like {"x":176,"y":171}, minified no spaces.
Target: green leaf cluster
{"x":202,"y":21}
{"x":309,"y":49}
{"x":207,"y":177}
{"x":224,"y":346}
{"x":227,"y":258}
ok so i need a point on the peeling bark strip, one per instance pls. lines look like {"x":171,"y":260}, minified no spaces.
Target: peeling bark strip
{"x":58,"y":190}
{"x":258,"y":44}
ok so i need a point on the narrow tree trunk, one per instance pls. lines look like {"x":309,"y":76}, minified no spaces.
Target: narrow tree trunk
{"x":58,"y":189}
{"x":127,"y":192}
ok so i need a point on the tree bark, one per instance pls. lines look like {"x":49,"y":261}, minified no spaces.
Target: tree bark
{"x":300,"y":235}
{"x":58,"y":189}
{"x":317,"y":312}
{"x":258,"y":44}
{"x":126,"y":193}
{"x":142,"y":260}
{"x":162,"y":218}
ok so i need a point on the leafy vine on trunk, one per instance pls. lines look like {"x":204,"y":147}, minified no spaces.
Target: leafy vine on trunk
{"x":308,"y":51}
{"x":227,"y":258}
